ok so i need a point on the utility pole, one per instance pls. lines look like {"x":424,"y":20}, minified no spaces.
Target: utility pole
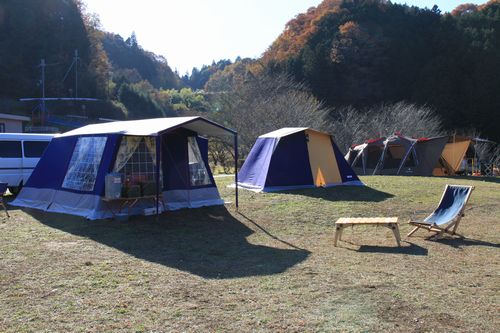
{"x":76,"y":73}
{"x":42,"y":102}
{"x":76,"y":58}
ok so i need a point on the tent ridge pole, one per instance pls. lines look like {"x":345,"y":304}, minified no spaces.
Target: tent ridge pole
{"x":236,"y":169}
{"x":158,"y":152}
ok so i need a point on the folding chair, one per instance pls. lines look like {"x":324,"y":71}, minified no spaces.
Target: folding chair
{"x":447,"y":216}
{"x":3,"y":189}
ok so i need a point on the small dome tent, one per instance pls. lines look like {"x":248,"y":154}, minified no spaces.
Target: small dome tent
{"x":166,"y":157}
{"x":292,"y":158}
{"x":396,"y":155}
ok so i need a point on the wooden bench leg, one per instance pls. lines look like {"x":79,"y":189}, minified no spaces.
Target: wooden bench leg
{"x":413,"y":231}
{"x":395,"y":230}
{"x":338,"y":234}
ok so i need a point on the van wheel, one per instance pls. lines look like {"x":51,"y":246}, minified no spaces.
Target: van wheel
{"x":15,"y":190}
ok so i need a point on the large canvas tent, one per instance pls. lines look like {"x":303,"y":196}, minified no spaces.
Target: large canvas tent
{"x":165,"y":157}
{"x":292,"y":158}
{"x":396,"y":155}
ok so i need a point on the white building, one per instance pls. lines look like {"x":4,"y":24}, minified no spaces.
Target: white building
{"x":10,"y":123}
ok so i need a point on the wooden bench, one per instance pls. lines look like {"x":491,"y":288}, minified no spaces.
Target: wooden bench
{"x":389,"y":222}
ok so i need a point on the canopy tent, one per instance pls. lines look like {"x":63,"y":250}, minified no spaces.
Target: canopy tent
{"x":396,"y":155}
{"x":295,"y":157}
{"x":164,"y":157}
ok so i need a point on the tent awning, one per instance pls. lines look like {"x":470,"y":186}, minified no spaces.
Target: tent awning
{"x":154,"y":127}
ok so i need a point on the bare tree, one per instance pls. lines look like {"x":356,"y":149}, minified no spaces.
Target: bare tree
{"x":264,"y":103}
{"x":352,"y":126}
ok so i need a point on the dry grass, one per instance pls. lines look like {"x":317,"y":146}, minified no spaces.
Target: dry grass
{"x":271,"y":268}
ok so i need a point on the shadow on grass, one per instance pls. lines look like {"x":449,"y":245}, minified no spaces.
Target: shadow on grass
{"x":208,"y":242}
{"x":413,"y":249}
{"x":460,"y":242}
{"x":344,"y":193}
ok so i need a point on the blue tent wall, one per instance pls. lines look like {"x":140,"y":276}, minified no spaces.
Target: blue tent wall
{"x":48,"y":174}
{"x":289,"y":165}
{"x":254,"y":170}
{"x":346,"y":172}
{"x":53,"y":165}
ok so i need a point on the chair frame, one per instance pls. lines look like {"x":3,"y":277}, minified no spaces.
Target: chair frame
{"x":452,"y":224}
{"x":2,"y":202}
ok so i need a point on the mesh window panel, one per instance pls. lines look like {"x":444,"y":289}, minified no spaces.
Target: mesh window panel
{"x":84,"y":164}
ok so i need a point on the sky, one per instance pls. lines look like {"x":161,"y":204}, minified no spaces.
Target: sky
{"x":192,"y":33}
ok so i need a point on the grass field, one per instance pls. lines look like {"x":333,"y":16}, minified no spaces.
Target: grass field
{"x":270,"y":267}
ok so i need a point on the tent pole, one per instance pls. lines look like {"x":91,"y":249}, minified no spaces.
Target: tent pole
{"x":158,"y":151}
{"x":236,"y":169}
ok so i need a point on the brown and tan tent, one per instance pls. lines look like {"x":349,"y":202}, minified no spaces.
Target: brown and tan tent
{"x":396,"y":155}
{"x":454,"y":152}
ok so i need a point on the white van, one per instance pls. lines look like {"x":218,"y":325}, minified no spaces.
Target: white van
{"x":19,"y":155}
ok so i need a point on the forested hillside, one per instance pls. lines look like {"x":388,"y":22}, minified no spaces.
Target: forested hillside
{"x":342,"y":54}
{"x":117,"y":72}
{"x":51,"y":29}
{"x":364,"y":52}
{"x":133,"y":64}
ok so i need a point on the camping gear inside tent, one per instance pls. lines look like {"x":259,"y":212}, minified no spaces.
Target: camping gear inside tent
{"x":396,"y":155}
{"x":164,"y":158}
{"x":292,"y":158}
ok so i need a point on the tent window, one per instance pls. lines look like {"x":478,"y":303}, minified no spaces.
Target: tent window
{"x":397,"y":152}
{"x":198,"y":173}
{"x":84,"y":163}
{"x":359,"y":162}
{"x":410,"y":160}
{"x":351,"y":156}
{"x":136,"y":161}
{"x":393,"y":157}
{"x":374,"y":153}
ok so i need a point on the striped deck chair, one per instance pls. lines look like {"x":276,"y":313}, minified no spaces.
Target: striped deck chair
{"x":447,"y":216}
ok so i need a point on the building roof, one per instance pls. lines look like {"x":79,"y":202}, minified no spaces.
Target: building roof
{"x":154,"y":127}
{"x":14,"y":117}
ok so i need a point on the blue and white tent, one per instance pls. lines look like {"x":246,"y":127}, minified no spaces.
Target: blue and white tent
{"x":164,"y":157}
{"x":292,"y":158}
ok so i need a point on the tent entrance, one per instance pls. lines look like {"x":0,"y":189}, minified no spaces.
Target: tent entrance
{"x":136,"y":161}
{"x":198,"y":172}
{"x":323,"y":164}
